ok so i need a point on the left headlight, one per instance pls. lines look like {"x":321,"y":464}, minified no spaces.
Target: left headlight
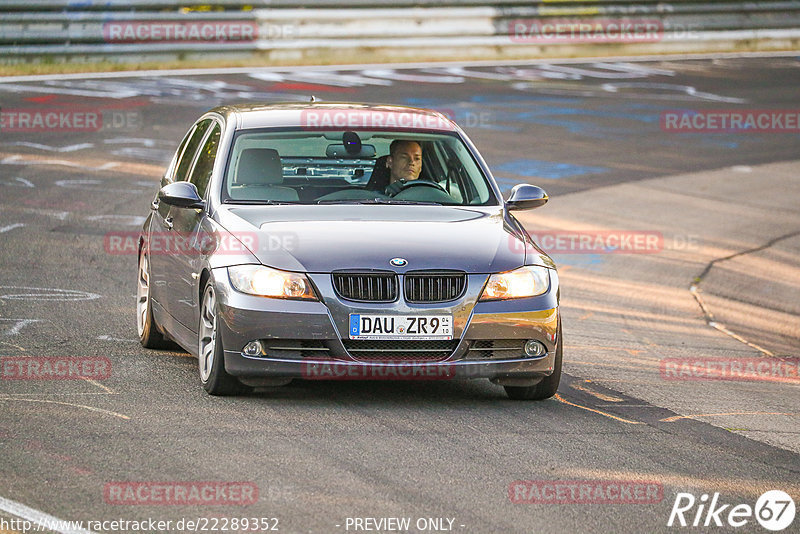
{"x":267,"y":282}
{"x":527,"y":281}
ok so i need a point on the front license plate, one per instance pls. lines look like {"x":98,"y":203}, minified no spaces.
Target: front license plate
{"x":401,"y":326}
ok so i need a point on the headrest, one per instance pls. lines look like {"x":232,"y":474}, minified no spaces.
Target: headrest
{"x":259,"y":166}
{"x":380,"y":175}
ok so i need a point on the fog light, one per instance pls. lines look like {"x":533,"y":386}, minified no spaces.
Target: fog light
{"x":535,"y":348}
{"x":253,"y":349}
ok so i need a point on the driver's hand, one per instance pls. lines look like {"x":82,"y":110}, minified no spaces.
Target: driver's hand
{"x":393,"y":188}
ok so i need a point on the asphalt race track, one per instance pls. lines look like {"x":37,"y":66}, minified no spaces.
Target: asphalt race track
{"x":722,"y":284}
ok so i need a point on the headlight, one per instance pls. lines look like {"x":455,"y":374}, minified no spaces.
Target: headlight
{"x":527,"y":281}
{"x":268,"y":282}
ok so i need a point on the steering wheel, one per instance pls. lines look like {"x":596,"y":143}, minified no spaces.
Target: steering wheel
{"x":408,"y":184}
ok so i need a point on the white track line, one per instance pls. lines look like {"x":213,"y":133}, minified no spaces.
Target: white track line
{"x":423,"y":65}
{"x":10,"y":227}
{"x":61,"y":403}
{"x":48,"y":522}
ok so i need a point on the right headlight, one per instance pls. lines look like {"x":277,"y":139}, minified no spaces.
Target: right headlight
{"x":527,"y":281}
{"x":268,"y":282}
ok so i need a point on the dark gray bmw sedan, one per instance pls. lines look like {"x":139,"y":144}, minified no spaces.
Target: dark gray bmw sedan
{"x":345,"y":241}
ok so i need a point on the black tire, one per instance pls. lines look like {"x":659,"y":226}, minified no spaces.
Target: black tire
{"x":549,"y":384}
{"x":149,"y":334}
{"x":215,"y":380}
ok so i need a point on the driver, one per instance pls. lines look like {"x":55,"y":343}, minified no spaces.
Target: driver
{"x":404,"y":164}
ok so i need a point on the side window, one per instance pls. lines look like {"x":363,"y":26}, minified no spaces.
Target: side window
{"x":201,"y":173}
{"x":172,"y":164}
{"x":185,"y":160}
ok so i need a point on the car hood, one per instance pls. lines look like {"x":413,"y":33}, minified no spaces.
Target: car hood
{"x":321,"y":239}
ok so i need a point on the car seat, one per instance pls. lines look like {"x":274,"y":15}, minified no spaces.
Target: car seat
{"x":258,"y":176}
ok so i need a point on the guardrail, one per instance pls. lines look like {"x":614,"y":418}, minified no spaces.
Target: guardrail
{"x":156,"y":29}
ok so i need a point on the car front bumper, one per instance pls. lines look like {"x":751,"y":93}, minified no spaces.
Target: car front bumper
{"x":245,"y":318}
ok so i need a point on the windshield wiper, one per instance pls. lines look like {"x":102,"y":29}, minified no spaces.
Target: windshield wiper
{"x":259,"y":202}
{"x":377,"y":201}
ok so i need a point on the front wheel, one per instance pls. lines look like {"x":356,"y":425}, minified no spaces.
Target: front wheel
{"x":211,"y":355}
{"x":549,"y":384}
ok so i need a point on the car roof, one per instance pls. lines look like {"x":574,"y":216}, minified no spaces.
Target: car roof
{"x":335,"y":116}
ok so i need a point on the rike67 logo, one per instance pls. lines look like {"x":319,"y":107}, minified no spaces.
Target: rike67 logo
{"x":774,"y":510}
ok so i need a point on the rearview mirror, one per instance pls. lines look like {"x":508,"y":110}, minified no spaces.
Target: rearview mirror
{"x":343,"y":151}
{"x":181,"y":195}
{"x":525,"y":197}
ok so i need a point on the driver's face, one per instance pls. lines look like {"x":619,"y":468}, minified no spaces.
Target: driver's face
{"x":406,"y":162}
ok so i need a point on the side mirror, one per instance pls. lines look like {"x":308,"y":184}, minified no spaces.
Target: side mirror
{"x":525,"y":197}
{"x":181,"y":195}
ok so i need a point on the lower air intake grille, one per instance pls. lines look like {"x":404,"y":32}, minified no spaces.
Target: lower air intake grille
{"x":366,"y":287}
{"x":496,"y":349}
{"x":399,"y":351}
{"x":294,"y":348}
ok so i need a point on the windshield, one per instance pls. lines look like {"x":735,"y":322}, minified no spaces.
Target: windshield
{"x":322,"y":167}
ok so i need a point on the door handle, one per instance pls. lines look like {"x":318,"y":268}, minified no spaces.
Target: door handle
{"x":168,"y":223}
{"x":154,"y":204}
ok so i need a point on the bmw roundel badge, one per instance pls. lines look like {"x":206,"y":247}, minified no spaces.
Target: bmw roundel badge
{"x":398,"y":262}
